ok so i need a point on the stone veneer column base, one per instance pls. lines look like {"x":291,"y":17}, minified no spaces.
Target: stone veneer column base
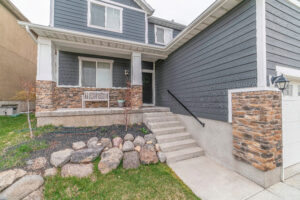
{"x":44,"y":96}
{"x":257,"y":128}
{"x":136,"y":96}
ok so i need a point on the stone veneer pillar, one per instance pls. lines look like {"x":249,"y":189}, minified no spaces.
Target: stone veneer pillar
{"x":257,"y":128}
{"x":45,"y":96}
{"x":136,"y":80}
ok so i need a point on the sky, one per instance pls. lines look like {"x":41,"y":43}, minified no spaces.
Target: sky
{"x":182,"y":11}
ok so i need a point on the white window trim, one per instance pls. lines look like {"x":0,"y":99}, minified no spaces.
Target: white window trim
{"x":106,"y":6}
{"x":151,"y":71}
{"x":111,"y":62}
{"x":296,"y":2}
{"x":155,"y":34}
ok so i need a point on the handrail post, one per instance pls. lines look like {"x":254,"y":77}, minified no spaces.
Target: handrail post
{"x":203,"y":124}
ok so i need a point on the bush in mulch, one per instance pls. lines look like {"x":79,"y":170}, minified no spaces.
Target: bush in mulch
{"x":61,"y":138}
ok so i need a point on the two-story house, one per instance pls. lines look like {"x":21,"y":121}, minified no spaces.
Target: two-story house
{"x":219,"y":69}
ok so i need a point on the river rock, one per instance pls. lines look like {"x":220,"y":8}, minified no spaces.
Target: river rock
{"x":77,"y":170}
{"x":129,"y":137}
{"x":9,"y":176}
{"x":110,"y":160}
{"x":106,"y":142}
{"x":117,"y":141}
{"x":60,"y":158}
{"x":150,"y":139}
{"x":38,"y":163}
{"x":50,"y":172}
{"x":131,"y":160}
{"x":86,"y":155}
{"x":36,"y":195}
{"x":148,"y":154}
{"x":139,"y":141}
{"x":162,"y":157}
{"x":92,"y":143}
{"x":78,"y":145}
{"x":128,"y":146}
{"x":22,"y":187}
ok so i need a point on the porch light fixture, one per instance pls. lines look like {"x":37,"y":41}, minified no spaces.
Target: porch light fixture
{"x":280,"y":82}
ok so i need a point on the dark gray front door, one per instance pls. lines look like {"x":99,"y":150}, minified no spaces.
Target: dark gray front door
{"x":147,"y":88}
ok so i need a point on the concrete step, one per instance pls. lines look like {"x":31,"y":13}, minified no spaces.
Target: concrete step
{"x":177,"y":145}
{"x":157,"y":114}
{"x":169,"y":130}
{"x":155,"y":125}
{"x":184,"y":154}
{"x":172,"y":137}
{"x":160,"y":119}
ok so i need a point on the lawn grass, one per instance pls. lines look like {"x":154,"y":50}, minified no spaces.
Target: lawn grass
{"x":147,"y":182}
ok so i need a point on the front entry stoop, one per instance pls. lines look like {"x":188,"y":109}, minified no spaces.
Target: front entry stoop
{"x":172,"y":137}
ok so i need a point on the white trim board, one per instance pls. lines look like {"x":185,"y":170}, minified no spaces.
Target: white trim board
{"x":124,"y":6}
{"x":255,"y":89}
{"x":288,"y":71}
{"x":261,"y":49}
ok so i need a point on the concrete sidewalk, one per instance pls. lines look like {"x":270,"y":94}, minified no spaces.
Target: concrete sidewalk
{"x":210,"y":181}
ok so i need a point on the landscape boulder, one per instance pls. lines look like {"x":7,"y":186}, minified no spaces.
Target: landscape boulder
{"x":38,"y":163}
{"x":92,"y":143}
{"x":128,"y":137}
{"x":148,"y":154}
{"x":77,"y":170}
{"x":128,"y":146}
{"x":106,"y":142}
{"x":36,"y":195}
{"x":110,"y":160}
{"x":50,"y":172}
{"x":150,"y":139}
{"x":78,"y":145}
{"x":117,"y":141}
{"x":9,"y":176}
{"x":22,"y":187}
{"x":139,"y":141}
{"x":162,"y":157}
{"x":60,"y":158}
{"x":131,"y":160}
{"x":86,"y":155}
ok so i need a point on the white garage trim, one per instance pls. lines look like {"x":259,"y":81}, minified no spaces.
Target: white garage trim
{"x":288,"y":71}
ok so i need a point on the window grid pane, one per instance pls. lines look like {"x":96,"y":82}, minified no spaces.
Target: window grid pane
{"x":97,"y":15}
{"x":88,"y":74}
{"x":103,"y":75}
{"x":113,"y":19}
{"x":288,"y":91}
{"x":160,"y":35}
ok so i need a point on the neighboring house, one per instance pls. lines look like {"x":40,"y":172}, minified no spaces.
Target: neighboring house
{"x":219,"y":67}
{"x":17,"y":58}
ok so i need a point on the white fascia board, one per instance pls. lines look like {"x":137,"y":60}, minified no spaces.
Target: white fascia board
{"x":291,"y":72}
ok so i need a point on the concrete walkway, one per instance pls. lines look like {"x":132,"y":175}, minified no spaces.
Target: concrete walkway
{"x":210,"y":181}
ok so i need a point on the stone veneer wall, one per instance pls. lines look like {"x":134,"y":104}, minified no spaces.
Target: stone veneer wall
{"x":257,"y":128}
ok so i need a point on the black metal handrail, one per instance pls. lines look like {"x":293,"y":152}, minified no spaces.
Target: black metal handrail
{"x":196,"y":118}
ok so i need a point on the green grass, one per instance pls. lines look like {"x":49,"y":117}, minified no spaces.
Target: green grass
{"x":146,"y":182}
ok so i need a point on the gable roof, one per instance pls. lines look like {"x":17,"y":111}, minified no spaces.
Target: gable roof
{"x":14,"y":10}
{"x":145,"y":6}
{"x":166,"y":23}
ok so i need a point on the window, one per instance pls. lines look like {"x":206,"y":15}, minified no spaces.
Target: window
{"x":96,"y":72}
{"x":163,"y":35}
{"x":288,"y":91}
{"x":104,"y":16}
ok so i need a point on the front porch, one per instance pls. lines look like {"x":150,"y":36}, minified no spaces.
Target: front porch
{"x":88,"y":117}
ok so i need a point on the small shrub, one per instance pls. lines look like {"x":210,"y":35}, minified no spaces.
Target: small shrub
{"x":103,"y":129}
{"x":144,"y":131}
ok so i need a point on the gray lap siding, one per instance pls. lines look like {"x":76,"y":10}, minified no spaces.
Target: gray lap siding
{"x":73,"y":15}
{"x":283,"y":35}
{"x":201,"y":72}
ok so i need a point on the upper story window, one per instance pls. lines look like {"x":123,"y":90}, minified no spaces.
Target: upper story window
{"x":163,"y":35}
{"x":105,"y":16}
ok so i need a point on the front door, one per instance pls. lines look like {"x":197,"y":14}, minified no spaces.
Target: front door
{"x":147,"y":88}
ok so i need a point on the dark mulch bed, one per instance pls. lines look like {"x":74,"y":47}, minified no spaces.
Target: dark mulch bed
{"x":64,"y":137}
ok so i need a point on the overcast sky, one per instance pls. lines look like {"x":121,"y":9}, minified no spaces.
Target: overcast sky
{"x":182,"y":11}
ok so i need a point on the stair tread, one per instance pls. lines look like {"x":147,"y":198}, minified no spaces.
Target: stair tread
{"x":176,"y":143}
{"x":172,"y":135}
{"x":168,"y":128}
{"x":164,"y":122}
{"x":183,"y":152}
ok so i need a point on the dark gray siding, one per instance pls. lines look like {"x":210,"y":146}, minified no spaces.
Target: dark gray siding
{"x":283,"y":35}
{"x":151,"y":34}
{"x":69,"y":69}
{"x":221,"y":57}
{"x":72,"y":14}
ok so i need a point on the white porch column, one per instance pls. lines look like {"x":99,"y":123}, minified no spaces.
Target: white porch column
{"x":136,"y":80}
{"x":136,"y":68}
{"x":45,"y":60}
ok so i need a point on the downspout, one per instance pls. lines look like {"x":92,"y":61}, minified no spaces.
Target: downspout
{"x":31,"y":34}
